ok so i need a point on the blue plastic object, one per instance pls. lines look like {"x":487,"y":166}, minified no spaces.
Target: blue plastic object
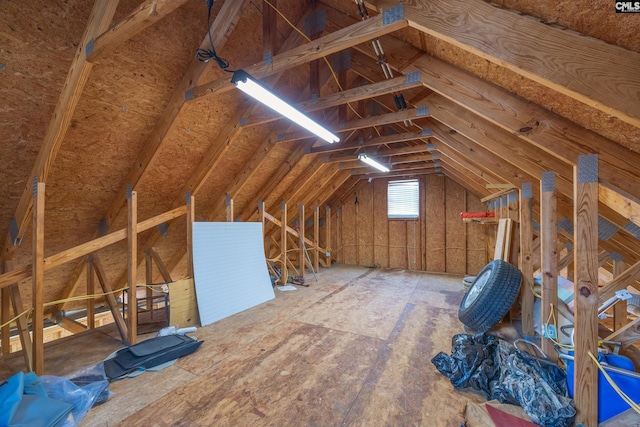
{"x":610,"y":403}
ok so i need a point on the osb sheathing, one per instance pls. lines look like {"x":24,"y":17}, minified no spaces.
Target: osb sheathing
{"x":594,"y":19}
{"x":129,"y":87}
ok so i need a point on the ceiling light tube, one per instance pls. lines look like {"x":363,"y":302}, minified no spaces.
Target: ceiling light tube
{"x":371,"y":162}
{"x":243,"y":81}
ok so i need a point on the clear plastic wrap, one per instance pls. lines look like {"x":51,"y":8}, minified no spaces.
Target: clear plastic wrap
{"x":82,"y":398}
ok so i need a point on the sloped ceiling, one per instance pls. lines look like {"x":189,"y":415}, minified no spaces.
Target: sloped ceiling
{"x":511,"y":89}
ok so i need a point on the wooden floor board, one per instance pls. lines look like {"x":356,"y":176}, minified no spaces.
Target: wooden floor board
{"x":368,"y":306}
{"x":353,"y":348}
{"x":404,"y":387}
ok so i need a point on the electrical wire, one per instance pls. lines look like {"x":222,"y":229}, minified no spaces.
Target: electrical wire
{"x":552,"y":315}
{"x":205,"y":55}
{"x":333,"y":73}
{"x":401,"y":104}
{"x":615,"y":386}
{"x":7,"y":323}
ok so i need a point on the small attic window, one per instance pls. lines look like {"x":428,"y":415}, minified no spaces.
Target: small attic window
{"x":403,"y":199}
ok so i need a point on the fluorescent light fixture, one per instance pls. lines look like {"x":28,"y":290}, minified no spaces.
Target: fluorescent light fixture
{"x":243,"y":81}
{"x":371,"y":162}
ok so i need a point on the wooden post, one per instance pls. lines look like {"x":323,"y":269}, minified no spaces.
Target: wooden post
{"x":261,"y":220}
{"x":327,"y":235}
{"x":585,"y":210}
{"x":132,"y":266}
{"x":514,"y":215}
{"x":283,"y":244}
{"x":191,"y":214}
{"x":339,"y":241}
{"x":504,"y":206}
{"x":548,"y":255}
{"x":5,"y":315}
{"x":91,"y":290}
{"x":37,"y":322}
{"x":526,"y":259}
{"x":316,"y":238}
{"x":620,"y":318}
{"x":301,"y":254}
{"x":148,"y":263}
{"x":229,"y":204}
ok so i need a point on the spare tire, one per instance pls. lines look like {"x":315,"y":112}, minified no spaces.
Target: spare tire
{"x":490,"y":296}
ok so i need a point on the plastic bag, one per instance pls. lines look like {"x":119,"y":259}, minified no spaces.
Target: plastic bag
{"x":91,"y":375}
{"x":82,"y":398}
{"x":509,"y":375}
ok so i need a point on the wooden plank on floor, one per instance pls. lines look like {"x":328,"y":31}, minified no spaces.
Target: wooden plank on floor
{"x":183,"y":307}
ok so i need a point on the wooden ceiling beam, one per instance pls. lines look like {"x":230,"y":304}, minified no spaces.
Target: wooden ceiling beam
{"x":474,"y":152}
{"x":474,"y":155}
{"x":376,"y":120}
{"x":310,"y":183}
{"x":324,"y":191}
{"x":364,"y":174}
{"x":220,"y":30}
{"x":310,"y":173}
{"x":214,"y":156}
{"x":427,"y":157}
{"x":526,"y":157}
{"x":467,"y":179}
{"x":78,"y":75}
{"x":565,"y":61}
{"x":412,"y":149}
{"x":625,"y":206}
{"x":336,"y":199}
{"x":344,"y":38}
{"x":373,"y":142}
{"x":399,"y":54}
{"x":550,"y":132}
{"x":449,"y":156}
{"x":350,"y":95}
{"x":418,"y":164}
{"x":411,"y":174}
{"x":276,"y":178}
{"x":147,"y":14}
{"x":507,"y":146}
{"x":241,"y":178}
{"x":320,"y":194}
{"x":555,"y":135}
{"x":574,"y":65}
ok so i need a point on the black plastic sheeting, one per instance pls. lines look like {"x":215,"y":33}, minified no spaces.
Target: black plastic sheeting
{"x":509,"y":375}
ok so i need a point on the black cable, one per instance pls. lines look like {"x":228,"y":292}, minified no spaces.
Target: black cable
{"x":205,"y":55}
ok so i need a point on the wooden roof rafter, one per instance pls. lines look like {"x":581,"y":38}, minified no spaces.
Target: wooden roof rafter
{"x":557,"y":136}
{"x":389,"y":152}
{"x":220,"y":29}
{"x":214,"y":155}
{"x":145,"y":15}
{"x":78,"y":75}
{"x":321,"y":47}
{"x":487,"y":31}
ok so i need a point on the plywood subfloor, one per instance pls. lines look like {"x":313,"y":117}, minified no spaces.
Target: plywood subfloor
{"x":352,"y":349}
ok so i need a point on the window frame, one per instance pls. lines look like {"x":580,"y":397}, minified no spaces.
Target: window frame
{"x":414,"y":214}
